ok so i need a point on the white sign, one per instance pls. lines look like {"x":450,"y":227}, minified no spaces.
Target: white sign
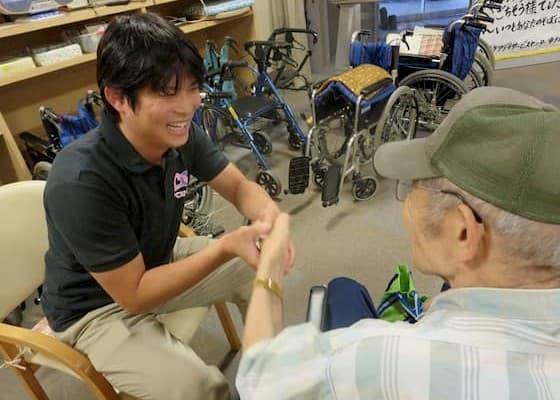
{"x":525,"y":28}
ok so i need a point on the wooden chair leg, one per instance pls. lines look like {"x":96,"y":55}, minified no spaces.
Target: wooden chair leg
{"x":227,"y":324}
{"x":30,"y":382}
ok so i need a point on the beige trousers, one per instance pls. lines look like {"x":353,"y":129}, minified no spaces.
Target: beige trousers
{"x":139,"y":356}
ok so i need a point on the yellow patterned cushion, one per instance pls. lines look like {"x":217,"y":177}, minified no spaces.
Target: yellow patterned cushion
{"x":359,"y":78}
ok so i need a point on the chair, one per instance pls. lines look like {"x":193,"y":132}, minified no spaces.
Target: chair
{"x":23,"y":243}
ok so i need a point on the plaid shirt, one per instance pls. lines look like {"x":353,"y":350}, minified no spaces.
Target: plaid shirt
{"x":474,"y":343}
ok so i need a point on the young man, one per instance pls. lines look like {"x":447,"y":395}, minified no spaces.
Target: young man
{"x":114,"y":201}
{"x":483,"y":213}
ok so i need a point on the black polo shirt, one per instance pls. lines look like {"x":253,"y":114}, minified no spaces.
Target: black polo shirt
{"x":105,"y":204}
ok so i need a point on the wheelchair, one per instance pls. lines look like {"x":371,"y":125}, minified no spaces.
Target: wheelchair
{"x":224,"y":117}
{"x":286,"y":71}
{"x":346,"y":109}
{"x":61,"y":130}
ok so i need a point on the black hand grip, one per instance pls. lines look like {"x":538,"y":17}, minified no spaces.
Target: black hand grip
{"x":484,"y":18}
{"x":476,"y":25}
{"x":492,"y":6}
{"x":267,"y":43}
{"x":218,"y":95}
{"x":492,"y":1}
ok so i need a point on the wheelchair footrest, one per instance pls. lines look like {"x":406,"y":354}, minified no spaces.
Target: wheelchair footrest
{"x":298,"y":178}
{"x":331,"y":185}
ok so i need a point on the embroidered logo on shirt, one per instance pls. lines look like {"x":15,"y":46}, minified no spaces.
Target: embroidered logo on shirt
{"x":180,"y":183}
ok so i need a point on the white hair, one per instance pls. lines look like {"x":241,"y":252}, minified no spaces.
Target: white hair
{"x":522,"y":238}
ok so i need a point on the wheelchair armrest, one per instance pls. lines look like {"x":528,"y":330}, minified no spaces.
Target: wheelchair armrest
{"x":317,"y":307}
{"x":375,"y":86}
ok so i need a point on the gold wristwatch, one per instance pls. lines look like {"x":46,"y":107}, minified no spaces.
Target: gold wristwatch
{"x":268,"y":284}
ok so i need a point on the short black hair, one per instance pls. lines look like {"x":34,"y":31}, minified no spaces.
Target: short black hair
{"x":144,"y":50}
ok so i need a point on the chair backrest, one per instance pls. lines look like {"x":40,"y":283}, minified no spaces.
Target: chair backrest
{"x":23,"y":242}
{"x":375,"y":53}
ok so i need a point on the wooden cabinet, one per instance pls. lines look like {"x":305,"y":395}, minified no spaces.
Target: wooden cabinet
{"x":61,"y":85}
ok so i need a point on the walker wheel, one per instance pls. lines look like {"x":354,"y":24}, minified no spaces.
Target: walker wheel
{"x":270,"y":183}
{"x":364,"y":188}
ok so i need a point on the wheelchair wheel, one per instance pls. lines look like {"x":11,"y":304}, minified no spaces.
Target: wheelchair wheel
{"x":198,"y":203}
{"x":399,"y":119}
{"x":294,"y":140}
{"x":332,"y":142}
{"x":364,"y":188}
{"x":41,"y":170}
{"x":216,"y":123}
{"x":263,"y":142}
{"x":437,"y":92}
{"x":319,"y":176}
{"x":270,"y":183}
{"x":481,"y":73}
{"x":485,"y":49}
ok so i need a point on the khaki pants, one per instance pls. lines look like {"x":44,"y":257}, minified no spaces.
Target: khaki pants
{"x":139,"y":356}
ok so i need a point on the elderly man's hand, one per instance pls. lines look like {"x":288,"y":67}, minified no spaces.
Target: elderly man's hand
{"x":277,"y":252}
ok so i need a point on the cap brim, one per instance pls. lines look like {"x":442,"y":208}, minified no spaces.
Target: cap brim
{"x":405,"y":160}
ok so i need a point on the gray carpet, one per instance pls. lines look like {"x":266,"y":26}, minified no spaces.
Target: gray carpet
{"x":363,"y":240}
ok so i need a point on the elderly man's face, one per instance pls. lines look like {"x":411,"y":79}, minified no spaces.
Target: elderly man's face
{"x":428,"y":252}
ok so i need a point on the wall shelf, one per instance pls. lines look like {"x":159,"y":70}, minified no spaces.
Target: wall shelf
{"x":35,"y":72}
{"x":197,"y":26}
{"x":68,"y":17}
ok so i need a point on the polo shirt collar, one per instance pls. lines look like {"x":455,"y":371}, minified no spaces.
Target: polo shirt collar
{"x":125,"y":154}
{"x":514,"y":304}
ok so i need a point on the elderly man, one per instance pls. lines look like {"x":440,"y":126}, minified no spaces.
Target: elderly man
{"x":483,"y":213}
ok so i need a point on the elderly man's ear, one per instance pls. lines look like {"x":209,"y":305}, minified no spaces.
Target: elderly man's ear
{"x":469,"y":234}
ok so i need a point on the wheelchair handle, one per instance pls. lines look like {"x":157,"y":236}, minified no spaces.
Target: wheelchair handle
{"x":267,"y":43}
{"x":48,"y":114}
{"x":218,"y":95}
{"x":475,"y":25}
{"x":484,"y":18}
{"x":280,"y":31}
{"x":492,"y":6}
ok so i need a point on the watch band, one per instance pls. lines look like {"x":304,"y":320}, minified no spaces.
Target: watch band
{"x":268,"y":284}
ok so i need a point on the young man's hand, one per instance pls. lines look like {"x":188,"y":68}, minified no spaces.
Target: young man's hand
{"x":242,"y":242}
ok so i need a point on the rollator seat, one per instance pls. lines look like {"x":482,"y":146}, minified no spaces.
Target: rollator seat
{"x":249,"y":106}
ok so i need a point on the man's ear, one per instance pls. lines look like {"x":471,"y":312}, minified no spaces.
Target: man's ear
{"x":117,"y":99}
{"x":470,"y":235}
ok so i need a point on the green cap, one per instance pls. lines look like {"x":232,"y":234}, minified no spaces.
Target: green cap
{"x":497,"y":144}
